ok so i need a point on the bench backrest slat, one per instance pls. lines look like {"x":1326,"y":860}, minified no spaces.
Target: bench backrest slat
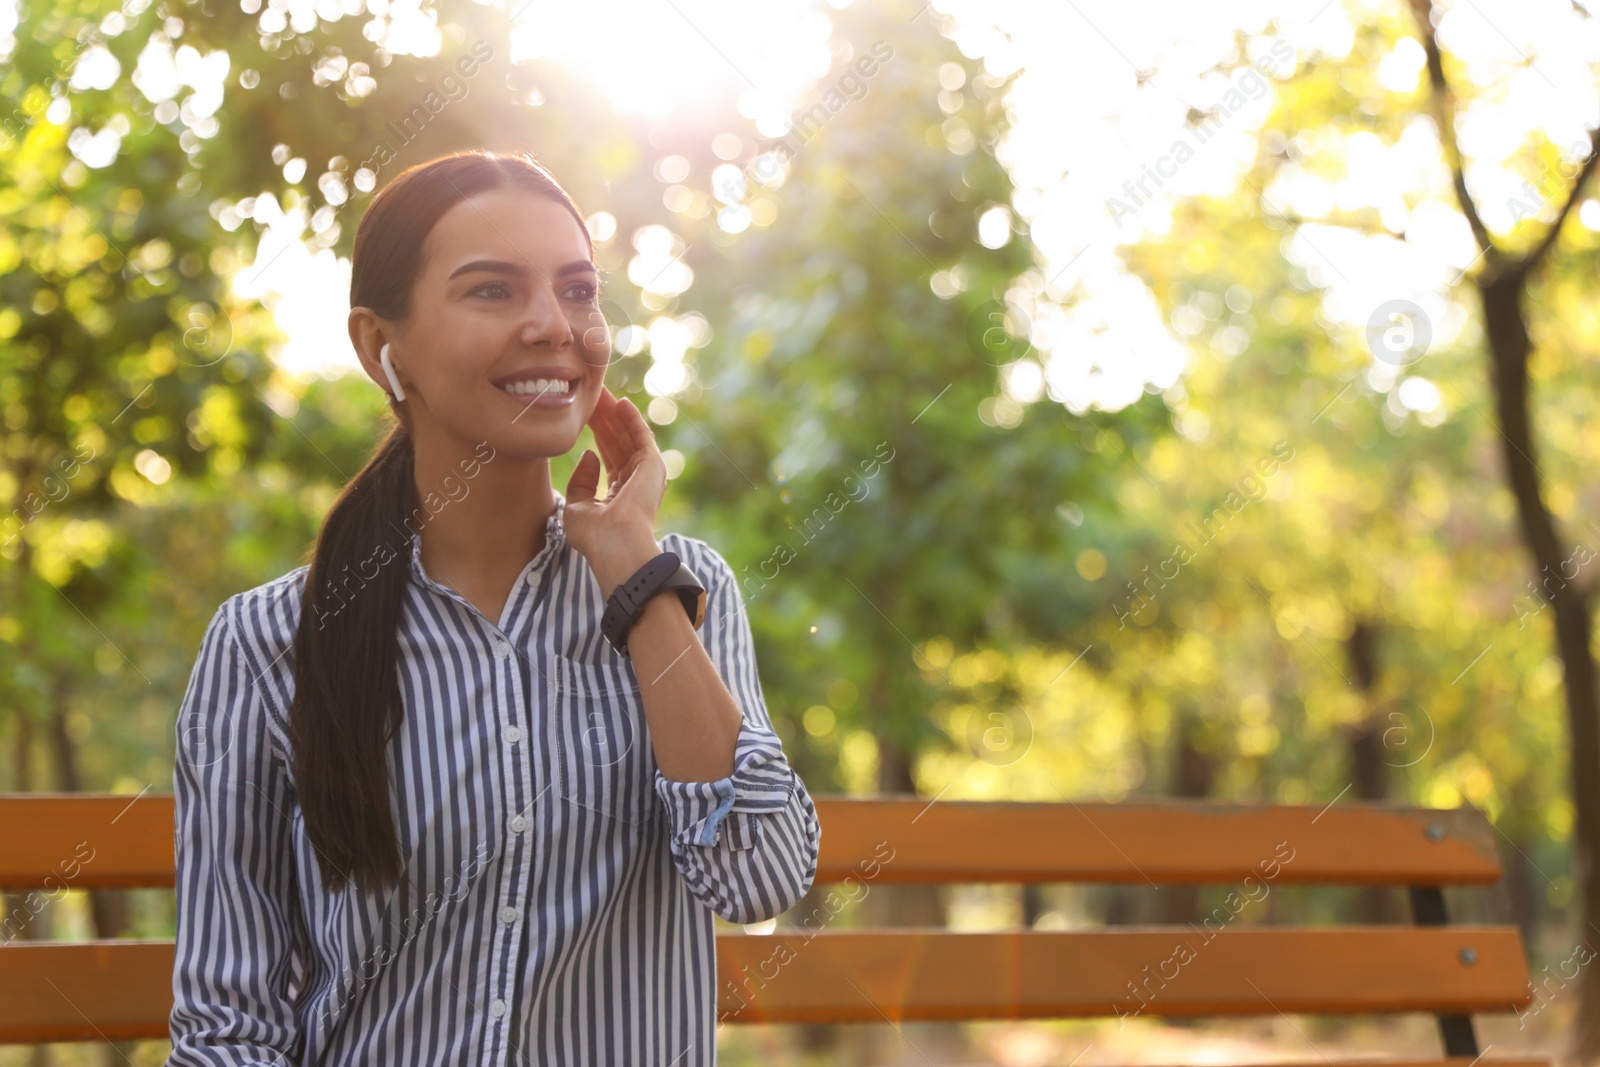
{"x":910,"y":840}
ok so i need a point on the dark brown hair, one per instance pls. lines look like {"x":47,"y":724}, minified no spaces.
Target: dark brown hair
{"x":346,"y":705}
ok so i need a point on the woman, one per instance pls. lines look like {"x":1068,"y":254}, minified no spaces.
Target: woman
{"x":435,"y":804}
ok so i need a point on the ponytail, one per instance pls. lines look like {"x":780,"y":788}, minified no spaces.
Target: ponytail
{"x":346,"y":705}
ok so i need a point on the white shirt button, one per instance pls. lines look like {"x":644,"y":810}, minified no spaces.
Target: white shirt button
{"x":533,"y":578}
{"x":508,"y":914}
{"x":518,"y":824}
{"x":513,"y":734}
{"x":502,"y":648}
{"x":497,"y":1008}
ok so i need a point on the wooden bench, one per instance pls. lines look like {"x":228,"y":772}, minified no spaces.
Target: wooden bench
{"x":1226,"y":964}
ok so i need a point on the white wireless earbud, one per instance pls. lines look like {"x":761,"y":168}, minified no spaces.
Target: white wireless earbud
{"x":388,"y":370}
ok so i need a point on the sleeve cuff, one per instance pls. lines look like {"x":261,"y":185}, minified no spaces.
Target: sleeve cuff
{"x":727,"y":812}
{"x":711,"y":825}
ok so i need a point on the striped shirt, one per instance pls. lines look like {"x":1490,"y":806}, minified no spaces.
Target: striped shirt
{"x":558,"y":891}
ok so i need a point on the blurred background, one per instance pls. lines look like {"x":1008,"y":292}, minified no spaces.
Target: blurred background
{"x":1098,"y":401}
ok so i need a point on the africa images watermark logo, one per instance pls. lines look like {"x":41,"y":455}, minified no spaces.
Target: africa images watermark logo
{"x":1200,"y":127}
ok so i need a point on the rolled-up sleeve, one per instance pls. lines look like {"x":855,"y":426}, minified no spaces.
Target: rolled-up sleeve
{"x":232,"y":1002}
{"x":746,"y":845}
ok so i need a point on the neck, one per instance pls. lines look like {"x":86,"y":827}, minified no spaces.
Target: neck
{"x":483,"y":513}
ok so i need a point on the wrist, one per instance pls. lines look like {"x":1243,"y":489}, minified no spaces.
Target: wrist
{"x":618,"y":562}
{"x":641,"y":596}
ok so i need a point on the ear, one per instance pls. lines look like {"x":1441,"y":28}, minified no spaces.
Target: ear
{"x":368,"y":334}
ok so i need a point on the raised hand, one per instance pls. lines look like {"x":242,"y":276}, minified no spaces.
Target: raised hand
{"x":616,"y":534}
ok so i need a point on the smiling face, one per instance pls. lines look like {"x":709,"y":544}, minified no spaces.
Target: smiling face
{"x":503,"y":339}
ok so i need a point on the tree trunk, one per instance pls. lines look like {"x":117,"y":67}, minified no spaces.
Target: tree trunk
{"x":1368,"y":771}
{"x":1193,"y":770}
{"x":1524,"y":889}
{"x":900,"y":905}
{"x":1505,"y":324}
{"x":22,"y":753}
{"x":1122,"y":905}
{"x":107,"y":907}
{"x":32,"y":927}
{"x":1034,"y":904}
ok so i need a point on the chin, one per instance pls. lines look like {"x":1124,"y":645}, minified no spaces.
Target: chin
{"x":546,"y":443}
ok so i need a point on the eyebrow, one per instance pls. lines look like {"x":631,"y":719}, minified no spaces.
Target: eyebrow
{"x":500,"y":266}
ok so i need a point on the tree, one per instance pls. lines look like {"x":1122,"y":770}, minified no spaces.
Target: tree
{"x":1503,"y":284}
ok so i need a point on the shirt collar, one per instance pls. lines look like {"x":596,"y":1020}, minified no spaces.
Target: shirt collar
{"x":555,"y":538}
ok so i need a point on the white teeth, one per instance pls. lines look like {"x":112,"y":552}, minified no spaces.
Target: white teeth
{"x":546,"y":386}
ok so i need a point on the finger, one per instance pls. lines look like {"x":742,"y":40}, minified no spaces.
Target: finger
{"x":633,"y":423}
{"x":585,"y":478}
{"x":620,"y":438}
{"x":644,"y":449}
{"x":605,"y":403}
{"x":605,"y":439}
{"x":605,"y":408}
{"x":613,"y":449}
{"x":631,"y":439}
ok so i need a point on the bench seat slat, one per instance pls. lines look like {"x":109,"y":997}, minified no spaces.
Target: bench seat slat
{"x":88,"y":991}
{"x":1453,"y":1061}
{"x":921,"y":975}
{"x":123,"y":989}
{"x":948,"y":841}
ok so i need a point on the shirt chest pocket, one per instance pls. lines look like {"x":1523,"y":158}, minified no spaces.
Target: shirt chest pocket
{"x":604,"y":760}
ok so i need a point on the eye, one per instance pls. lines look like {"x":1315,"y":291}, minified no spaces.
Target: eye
{"x":584,"y":292}
{"x":487,"y":285}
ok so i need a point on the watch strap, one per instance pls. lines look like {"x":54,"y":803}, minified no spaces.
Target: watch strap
{"x":665,"y":572}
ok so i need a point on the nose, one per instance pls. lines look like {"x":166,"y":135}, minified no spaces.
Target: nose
{"x":544,"y":321}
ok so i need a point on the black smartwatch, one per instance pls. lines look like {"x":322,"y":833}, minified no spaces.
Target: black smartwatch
{"x":626,"y":604}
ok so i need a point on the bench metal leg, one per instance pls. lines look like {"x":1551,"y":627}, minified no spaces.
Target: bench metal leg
{"x":1428,"y":909}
